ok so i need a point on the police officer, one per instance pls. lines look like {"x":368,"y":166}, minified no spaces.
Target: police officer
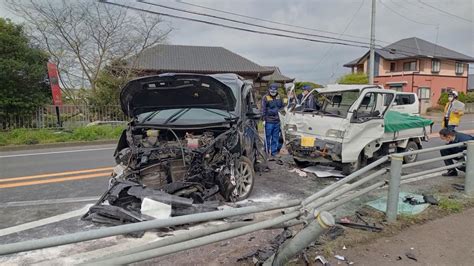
{"x":309,"y":103}
{"x":271,"y":104}
{"x":451,"y":137}
{"x":453,"y":111}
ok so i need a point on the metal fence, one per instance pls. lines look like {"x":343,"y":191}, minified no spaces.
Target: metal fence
{"x":70,"y":116}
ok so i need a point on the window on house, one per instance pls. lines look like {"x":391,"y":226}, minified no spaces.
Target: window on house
{"x":435,"y":66}
{"x":459,"y":68}
{"x":409,"y":66}
{"x":393,"y":67}
{"x":424,"y":93}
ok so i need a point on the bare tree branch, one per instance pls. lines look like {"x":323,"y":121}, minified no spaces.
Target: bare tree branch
{"x":85,"y":36}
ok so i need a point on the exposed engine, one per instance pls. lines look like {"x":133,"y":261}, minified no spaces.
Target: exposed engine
{"x":197,"y":165}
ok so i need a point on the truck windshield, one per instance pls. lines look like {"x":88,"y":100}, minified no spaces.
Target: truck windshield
{"x":338,"y":103}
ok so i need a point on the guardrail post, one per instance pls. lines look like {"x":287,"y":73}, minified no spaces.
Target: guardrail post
{"x":323,"y":221}
{"x":394,"y":187}
{"x":469,"y":182}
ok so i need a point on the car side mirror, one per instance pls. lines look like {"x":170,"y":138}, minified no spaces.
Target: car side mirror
{"x":354,"y":114}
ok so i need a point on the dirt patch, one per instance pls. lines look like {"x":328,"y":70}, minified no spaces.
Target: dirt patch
{"x":446,"y":241}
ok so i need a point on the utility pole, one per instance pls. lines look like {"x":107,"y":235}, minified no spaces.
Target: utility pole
{"x":372,"y":45}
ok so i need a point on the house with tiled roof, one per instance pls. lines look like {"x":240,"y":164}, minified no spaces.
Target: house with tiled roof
{"x":416,"y":65}
{"x":196,"y":59}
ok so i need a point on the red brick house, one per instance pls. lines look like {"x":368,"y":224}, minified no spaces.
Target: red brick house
{"x":416,"y":65}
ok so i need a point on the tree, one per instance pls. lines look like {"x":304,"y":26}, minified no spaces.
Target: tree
{"x":23,"y":73}
{"x":354,"y":78}
{"x":84,"y":36}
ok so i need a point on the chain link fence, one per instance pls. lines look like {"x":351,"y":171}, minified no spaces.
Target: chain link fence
{"x":71,"y":116}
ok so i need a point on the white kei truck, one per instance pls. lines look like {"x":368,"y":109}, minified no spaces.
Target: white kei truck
{"x":351,"y":125}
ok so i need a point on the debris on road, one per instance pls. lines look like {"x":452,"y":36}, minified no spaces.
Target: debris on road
{"x":411,"y":256}
{"x":323,"y":260}
{"x":298,"y":171}
{"x":262,"y":254}
{"x":361,"y":226}
{"x":404,"y":206}
{"x":323,"y":171}
{"x":339,"y":257}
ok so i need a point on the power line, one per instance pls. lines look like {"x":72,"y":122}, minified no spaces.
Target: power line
{"x":403,"y":16}
{"x":266,"y":20}
{"x":246,"y":23}
{"x":328,"y":51}
{"x":285,"y":24}
{"x":233,"y":27}
{"x":444,"y":11}
{"x":397,"y":51}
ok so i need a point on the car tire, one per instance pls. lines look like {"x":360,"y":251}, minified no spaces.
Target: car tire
{"x":245,"y":179}
{"x":411,"y":146}
{"x":349,"y":168}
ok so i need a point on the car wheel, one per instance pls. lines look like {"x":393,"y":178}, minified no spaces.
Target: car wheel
{"x":411,"y":146}
{"x":349,"y":168}
{"x":245,"y":179}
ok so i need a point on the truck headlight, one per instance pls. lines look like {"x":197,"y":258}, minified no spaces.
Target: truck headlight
{"x":291,"y":128}
{"x":334,"y":133}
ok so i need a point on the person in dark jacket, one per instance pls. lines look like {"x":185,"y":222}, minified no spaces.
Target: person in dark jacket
{"x":271,"y":104}
{"x":451,"y":137}
{"x":309,"y":103}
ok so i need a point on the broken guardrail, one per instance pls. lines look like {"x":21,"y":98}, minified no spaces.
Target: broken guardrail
{"x":397,"y":165}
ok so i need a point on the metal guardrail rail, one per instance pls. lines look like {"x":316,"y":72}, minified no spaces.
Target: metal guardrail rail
{"x":397,"y":165}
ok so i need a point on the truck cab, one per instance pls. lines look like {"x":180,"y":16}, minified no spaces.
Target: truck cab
{"x":345,"y":130}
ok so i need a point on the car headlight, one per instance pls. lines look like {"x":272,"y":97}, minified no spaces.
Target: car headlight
{"x":334,"y":133}
{"x":291,"y":128}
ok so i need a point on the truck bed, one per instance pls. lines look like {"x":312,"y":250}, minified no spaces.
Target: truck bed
{"x":407,"y":133}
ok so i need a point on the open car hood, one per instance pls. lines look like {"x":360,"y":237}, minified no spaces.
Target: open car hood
{"x":169,"y":91}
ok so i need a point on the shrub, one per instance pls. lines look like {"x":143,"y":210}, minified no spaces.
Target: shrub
{"x":24,"y":136}
{"x":354,"y":78}
{"x":463,"y":97}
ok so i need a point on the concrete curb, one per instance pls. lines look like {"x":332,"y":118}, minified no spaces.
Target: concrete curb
{"x":57,"y":145}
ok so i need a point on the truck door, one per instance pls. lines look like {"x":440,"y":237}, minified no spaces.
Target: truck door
{"x":367,"y":123}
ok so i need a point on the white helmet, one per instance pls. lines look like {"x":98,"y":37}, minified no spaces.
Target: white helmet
{"x":454,"y":93}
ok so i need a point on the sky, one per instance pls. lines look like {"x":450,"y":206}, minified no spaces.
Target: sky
{"x":317,"y":62}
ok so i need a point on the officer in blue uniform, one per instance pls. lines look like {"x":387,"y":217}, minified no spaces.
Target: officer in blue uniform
{"x":271,"y":104}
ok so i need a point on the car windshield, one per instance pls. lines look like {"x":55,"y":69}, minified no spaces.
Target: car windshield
{"x":185,"y":116}
{"x":337,"y":103}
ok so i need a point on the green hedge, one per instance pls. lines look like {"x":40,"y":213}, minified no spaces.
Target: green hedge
{"x":463,"y":97}
{"x":24,"y":136}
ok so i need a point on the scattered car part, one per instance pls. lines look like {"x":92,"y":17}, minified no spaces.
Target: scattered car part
{"x":323,"y":260}
{"x":361,"y":226}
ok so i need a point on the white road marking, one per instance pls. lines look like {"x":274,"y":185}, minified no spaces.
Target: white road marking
{"x":46,"y":202}
{"x":49,"y":220}
{"x":54,"y":152}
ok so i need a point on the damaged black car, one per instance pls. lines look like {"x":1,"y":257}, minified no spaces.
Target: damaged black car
{"x":192,"y":140}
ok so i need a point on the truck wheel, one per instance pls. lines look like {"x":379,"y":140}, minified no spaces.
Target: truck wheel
{"x":411,"y":146}
{"x":349,"y":168}
{"x":245,"y":179}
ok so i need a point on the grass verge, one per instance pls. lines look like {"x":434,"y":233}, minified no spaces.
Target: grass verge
{"x":24,"y":136}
